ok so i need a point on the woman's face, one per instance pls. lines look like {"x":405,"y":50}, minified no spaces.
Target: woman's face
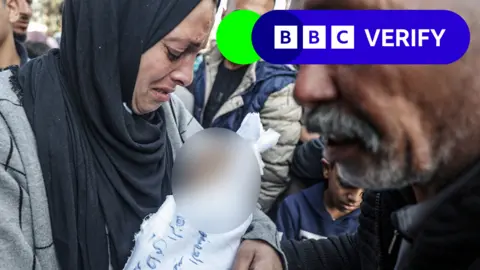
{"x":170,"y":62}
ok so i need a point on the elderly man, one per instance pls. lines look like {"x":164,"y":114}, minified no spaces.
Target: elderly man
{"x":422,"y":128}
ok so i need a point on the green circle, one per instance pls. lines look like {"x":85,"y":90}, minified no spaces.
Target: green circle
{"x":234,"y":37}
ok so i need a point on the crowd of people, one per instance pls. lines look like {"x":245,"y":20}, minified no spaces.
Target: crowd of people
{"x":376,"y":166}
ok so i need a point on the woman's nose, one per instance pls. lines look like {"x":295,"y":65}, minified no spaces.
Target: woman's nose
{"x":314,"y":86}
{"x":183,"y":75}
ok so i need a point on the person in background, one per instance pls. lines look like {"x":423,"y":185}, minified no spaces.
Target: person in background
{"x":326,"y":209}
{"x":36,"y":49}
{"x":20,"y":26}
{"x":42,"y":37}
{"x":12,"y":53}
{"x":225,"y":93}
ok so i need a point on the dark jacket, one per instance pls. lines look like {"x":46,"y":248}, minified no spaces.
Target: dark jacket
{"x":262,"y":80}
{"x":447,"y":237}
{"x":22,"y":52}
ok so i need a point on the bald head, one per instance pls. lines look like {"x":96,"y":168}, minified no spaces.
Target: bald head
{"x":259,"y":6}
{"x":415,"y":123}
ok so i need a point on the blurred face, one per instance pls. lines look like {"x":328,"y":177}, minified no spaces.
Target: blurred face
{"x":389,"y":126}
{"x":25,"y":10}
{"x":207,"y":167}
{"x":170,"y":62}
{"x":345,"y":198}
{"x":8,"y":15}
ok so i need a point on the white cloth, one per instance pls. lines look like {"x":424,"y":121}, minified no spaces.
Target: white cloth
{"x":168,"y":241}
{"x":252,"y":130}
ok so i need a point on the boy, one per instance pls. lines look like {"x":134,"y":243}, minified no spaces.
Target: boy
{"x":326,"y":209}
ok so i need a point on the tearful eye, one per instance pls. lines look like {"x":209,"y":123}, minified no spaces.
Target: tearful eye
{"x":173,"y":55}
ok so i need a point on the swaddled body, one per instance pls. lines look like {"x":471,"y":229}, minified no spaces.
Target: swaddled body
{"x":216,"y":185}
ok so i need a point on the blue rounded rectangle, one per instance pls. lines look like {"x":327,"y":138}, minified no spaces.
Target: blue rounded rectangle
{"x":361,"y":37}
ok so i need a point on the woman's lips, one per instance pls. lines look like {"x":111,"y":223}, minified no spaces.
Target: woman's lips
{"x":160,"y":95}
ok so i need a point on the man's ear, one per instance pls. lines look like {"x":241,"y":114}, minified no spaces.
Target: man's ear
{"x":325,"y":169}
{"x":325,"y":173}
{"x":13,"y":10}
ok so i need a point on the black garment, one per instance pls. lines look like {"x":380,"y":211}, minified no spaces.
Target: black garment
{"x":22,"y":53}
{"x":448,"y":238}
{"x":36,"y":49}
{"x":9,"y":68}
{"x":307,"y":164}
{"x":225,"y":84}
{"x":20,"y":37}
{"x":102,"y":167}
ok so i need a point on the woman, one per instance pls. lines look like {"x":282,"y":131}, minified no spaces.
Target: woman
{"x":105,"y":145}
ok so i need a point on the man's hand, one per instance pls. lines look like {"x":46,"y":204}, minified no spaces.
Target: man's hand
{"x":257,"y":255}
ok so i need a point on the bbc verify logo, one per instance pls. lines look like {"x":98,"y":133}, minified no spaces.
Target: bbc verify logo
{"x":314,"y":37}
{"x":386,"y":37}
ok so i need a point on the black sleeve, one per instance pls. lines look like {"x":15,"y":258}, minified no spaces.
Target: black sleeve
{"x":334,"y":253}
{"x":307,"y":162}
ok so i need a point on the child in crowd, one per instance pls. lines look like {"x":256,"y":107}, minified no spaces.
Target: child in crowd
{"x":326,"y":209}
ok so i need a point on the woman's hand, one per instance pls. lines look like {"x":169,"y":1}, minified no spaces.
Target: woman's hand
{"x":257,"y":255}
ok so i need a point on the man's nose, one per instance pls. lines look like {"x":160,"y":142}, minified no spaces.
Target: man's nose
{"x":29,"y":11}
{"x":25,"y":9}
{"x":314,"y":85}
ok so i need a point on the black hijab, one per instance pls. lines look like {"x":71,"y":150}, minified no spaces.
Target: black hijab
{"x":103,"y":167}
